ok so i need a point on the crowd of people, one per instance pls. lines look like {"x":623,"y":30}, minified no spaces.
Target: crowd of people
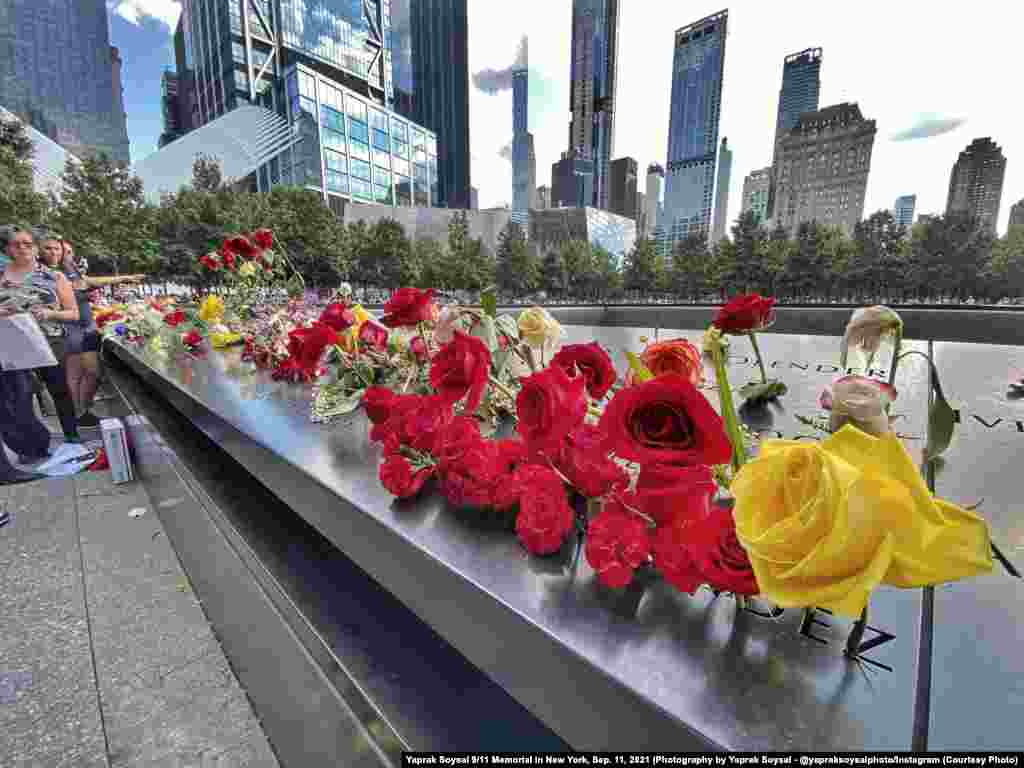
{"x":52,"y":284}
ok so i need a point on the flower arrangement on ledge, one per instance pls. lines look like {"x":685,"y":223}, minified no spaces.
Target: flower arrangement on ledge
{"x":639,"y":469}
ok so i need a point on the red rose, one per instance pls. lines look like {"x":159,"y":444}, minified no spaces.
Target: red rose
{"x":401,"y":408}
{"x":461,"y":369}
{"x":471,"y":481}
{"x":398,"y":477}
{"x":545,"y":518}
{"x":174,"y":319}
{"x":592,"y":362}
{"x":669,"y":493}
{"x":307,"y":345}
{"x":229,"y":259}
{"x":192,"y":339}
{"x":419,"y":348}
{"x":549,"y":406}
{"x":373,"y":335}
{"x":665,"y":421}
{"x":210,"y":263}
{"x":743,"y":314}
{"x":263,"y":238}
{"x":378,"y":402}
{"x":525,"y":479}
{"x":239,"y":244}
{"x":338,"y":316}
{"x":290,"y":370}
{"x":409,"y":307}
{"x":672,"y":557}
{"x":585,"y":462}
{"x":425,"y":426}
{"x":461,"y":434}
{"x":618,"y":542}
{"x":719,"y":556}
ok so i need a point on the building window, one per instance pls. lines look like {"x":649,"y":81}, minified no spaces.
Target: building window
{"x":360,"y":169}
{"x":356,"y":109}
{"x":381,"y":178}
{"x":337,"y":182}
{"x":359,"y":150}
{"x":403,"y":190}
{"x":332,"y":118}
{"x":399,"y":130}
{"x":334,"y":140}
{"x":380,"y":139}
{"x":383,"y":195}
{"x":335,"y":161}
{"x":361,"y":189}
{"x":401,"y":166}
{"x":358,"y":131}
{"x":378,"y":120}
{"x":381,"y":159}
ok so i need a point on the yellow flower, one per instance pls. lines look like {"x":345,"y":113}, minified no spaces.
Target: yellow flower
{"x":537,"y":327}
{"x":212,"y":309}
{"x":350,"y":337}
{"x":824,"y":524}
{"x":714,"y":340}
{"x":248,"y":269}
{"x":222,"y":340}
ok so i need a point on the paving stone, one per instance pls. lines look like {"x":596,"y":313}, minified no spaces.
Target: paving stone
{"x":45,"y":614}
{"x":253,"y":752}
{"x":46,"y":669}
{"x":210,"y":724}
{"x":60,"y":735}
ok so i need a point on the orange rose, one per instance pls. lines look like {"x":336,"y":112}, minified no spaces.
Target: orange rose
{"x":677,"y":356}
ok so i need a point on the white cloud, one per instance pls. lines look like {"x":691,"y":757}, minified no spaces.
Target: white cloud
{"x":135,"y":11}
{"x":892,"y":58}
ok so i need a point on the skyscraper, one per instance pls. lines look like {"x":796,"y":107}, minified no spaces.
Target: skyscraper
{"x":325,"y":65}
{"x":722,"y":194}
{"x":592,"y":78}
{"x":520,"y":141}
{"x":435,"y":75}
{"x":59,"y":72}
{"x":756,"y":186}
{"x":170,"y":103}
{"x":623,"y":192}
{"x":823,"y":168}
{"x":572,"y":180}
{"x":801,"y":88}
{"x":976,"y":183}
{"x":652,"y":199}
{"x":697,"y":69}
{"x":903,"y":211}
{"x":1017,"y":214}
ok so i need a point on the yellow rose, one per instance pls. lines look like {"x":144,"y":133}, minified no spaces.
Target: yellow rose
{"x":824,"y":524}
{"x":537,"y":327}
{"x":349,"y":338}
{"x":212,"y":309}
{"x":224,"y":339}
{"x":248,"y":269}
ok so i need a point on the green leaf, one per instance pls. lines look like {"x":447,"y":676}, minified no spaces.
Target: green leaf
{"x":640,"y":371}
{"x":486,"y":330}
{"x":756,"y":391}
{"x":489,"y":301}
{"x":500,"y":360}
{"x":508,"y":326}
{"x":941,"y":421}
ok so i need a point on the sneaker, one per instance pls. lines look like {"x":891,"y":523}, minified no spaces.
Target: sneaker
{"x":88,"y":420}
{"x":26,"y":460}
{"x":16,"y":476}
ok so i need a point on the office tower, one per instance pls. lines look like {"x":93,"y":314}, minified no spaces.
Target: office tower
{"x":697,"y":69}
{"x":59,"y":72}
{"x":531,"y":179}
{"x":325,"y":66}
{"x":801,"y":88}
{"x":653,"y":199}
{"x":1017,"y":214}
{"x":170,"y":100}
{"x":474,"y":199}
{"x":572,"y":181}
{"x":823,"y":168}
{"x":592,"y":81}
{"x":976,"y":183}
{"x":430,"y":73}
{"x":641,"y":208}
{"x":756,"y":186}
{"x":543,"y":197}
{"x":520,"y":141}
{"x":622,"y":187}
{"x":903,"y":211}
{"x":722,"y":194}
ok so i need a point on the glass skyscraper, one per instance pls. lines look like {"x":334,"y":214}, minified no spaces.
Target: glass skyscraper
{"x":697,"y":69}
{"x":800,"y":91}
{"x":903,"y":211}
{"x":595,"y":29}
{"x":520,"y":141}
{"x":59,"y":72}
{"x":430,"y":72}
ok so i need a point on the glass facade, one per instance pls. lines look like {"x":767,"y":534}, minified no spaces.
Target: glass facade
{"x":58,"y":71}
{"x":520,"y":142}
{"x":904,"y":211}
{"x":697,"y":70}
{"x":550,"y":228}
{"x":354,"y":149}
{"x":592,"y":87}
{"x":346,"y":34}
{"x":801,"y":89}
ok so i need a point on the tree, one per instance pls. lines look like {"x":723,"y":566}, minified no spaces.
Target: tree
{"x":640,"y":272}
{"x":103,"y":213}
{"x":389,"y":249}
{"x":605,"y":279}
{"x":429,"y":255}
{"x":19,"y":201}
{"x":518,"y":271}
{"x":748,"y":237}
{"x":805,"y":274}
{"x":554,"y":277}
{"x":578,"y":261}
{"x":206,"y":174}
{"x":721,"y":269}
{"x":1005,"y":273}
{"x":689,"y":267}
{"x":878,"y":265}
{"x":948,"y":254}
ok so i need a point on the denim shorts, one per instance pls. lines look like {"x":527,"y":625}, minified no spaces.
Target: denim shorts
{"x":79,"y":340}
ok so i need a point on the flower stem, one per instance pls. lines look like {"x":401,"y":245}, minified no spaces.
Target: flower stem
{"x":857,"y":633}
{"x":739,"y":450}
{"x":897,"y":343}
{"x":760,"y":360}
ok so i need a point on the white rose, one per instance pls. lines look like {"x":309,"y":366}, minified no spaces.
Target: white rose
{"x":537,"y":327}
